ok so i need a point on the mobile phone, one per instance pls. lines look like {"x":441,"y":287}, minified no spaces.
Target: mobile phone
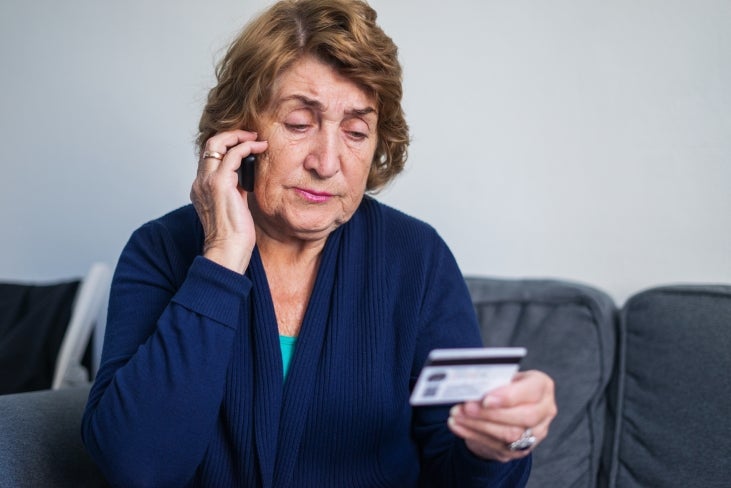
{"x":459,"y":375}
{"x":246,"y":172}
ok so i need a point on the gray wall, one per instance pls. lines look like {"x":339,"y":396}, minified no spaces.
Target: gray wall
{"x":571,"y":139}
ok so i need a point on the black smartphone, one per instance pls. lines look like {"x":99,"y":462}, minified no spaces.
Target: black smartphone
{"x":246,"y":172}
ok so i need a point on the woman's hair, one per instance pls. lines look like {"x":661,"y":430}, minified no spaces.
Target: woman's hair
{"x":341,"y":33}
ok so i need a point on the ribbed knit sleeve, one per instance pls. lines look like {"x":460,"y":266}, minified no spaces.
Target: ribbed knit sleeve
{"x":445,"y":319}
{"x":154,"y":404}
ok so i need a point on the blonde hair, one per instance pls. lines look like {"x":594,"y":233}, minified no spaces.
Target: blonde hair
{"x":341,"y":33}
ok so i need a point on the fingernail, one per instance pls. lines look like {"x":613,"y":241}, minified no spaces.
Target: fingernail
{"x":454,"y":411}
{"x":490,"y":401}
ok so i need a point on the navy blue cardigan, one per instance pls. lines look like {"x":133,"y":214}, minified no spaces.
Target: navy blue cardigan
{"x":191,"y":393}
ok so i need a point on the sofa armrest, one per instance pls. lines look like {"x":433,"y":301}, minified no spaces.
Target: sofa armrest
{"x":41,"y":443}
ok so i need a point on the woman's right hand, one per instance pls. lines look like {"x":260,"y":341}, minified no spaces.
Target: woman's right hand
{"x":221,"y":204}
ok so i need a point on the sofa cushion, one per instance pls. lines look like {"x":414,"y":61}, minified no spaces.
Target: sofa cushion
{"x":33,"y":321}
{"x":569,"y":331}
{"x":674,"y":389}
{"x":40,"y":445}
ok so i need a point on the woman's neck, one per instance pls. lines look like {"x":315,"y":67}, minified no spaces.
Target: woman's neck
{"x":291,"y":270}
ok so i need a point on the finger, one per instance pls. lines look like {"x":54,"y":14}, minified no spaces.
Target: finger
{"x":222,"y":141}
{"x":219,"y":177}
{"x":526,"y":387}
{"x":500,"y":432}
{"x":219,"y":145}
{"x":503,"y":433}
{"x":507,"y":421}
{"x":232,"y":160}
{"x":523,"y":415}
{"x":483,"y":445}
{"x":495,"y":437}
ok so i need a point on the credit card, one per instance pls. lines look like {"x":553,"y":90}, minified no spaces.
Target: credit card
{"x":460,"y":375}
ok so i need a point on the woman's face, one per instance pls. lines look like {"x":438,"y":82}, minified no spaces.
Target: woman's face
{"x":322,"y":134}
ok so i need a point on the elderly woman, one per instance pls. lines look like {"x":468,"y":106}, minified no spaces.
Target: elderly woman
{"x":271,"y":337}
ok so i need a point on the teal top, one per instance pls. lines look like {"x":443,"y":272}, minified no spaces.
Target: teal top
{"x":286,"y":344}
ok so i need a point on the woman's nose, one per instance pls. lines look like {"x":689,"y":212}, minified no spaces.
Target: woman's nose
{"x":324,"y":157}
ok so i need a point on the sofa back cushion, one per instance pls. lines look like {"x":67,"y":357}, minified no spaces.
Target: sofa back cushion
{"x":569,"y":331}
{"x":673,"y":426}
{"x":33,"y":321}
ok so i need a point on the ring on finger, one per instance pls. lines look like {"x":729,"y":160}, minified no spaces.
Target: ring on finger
{"x":212,"y":155}
{"x":526,"y":441}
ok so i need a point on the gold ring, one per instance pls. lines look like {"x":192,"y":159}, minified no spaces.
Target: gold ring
{"x":212,"y":154}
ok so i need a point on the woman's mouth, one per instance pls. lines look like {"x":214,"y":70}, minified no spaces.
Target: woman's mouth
{"x":313,"y":196}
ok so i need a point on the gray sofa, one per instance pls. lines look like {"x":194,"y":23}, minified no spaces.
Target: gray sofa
{"x":643,"y":391}
{"x":40,"y":441}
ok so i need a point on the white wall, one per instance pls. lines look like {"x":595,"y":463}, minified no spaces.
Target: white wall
{"x":571,"y":139}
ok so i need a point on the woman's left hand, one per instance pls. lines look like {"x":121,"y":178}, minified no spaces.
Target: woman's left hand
{"x":490,"y":426}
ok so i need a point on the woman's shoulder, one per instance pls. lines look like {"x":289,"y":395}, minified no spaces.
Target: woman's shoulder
{"x":399,"y":225}
{"x":411,"y":251}
{"x":178,"y":232}
{"x":404,"y":238}
{"x":182,"y":222}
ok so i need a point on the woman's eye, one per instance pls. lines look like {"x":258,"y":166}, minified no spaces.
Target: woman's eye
{"x":358,"y":136}
{"x":356,"y":130}
{"x":294,"y":127}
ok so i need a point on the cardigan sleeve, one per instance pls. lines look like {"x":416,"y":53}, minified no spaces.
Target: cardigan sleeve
{"x":170,"y":329}
{"x":448,"y":320}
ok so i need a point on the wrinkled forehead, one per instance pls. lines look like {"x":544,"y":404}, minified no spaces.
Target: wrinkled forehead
{"x":315,"y":85}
